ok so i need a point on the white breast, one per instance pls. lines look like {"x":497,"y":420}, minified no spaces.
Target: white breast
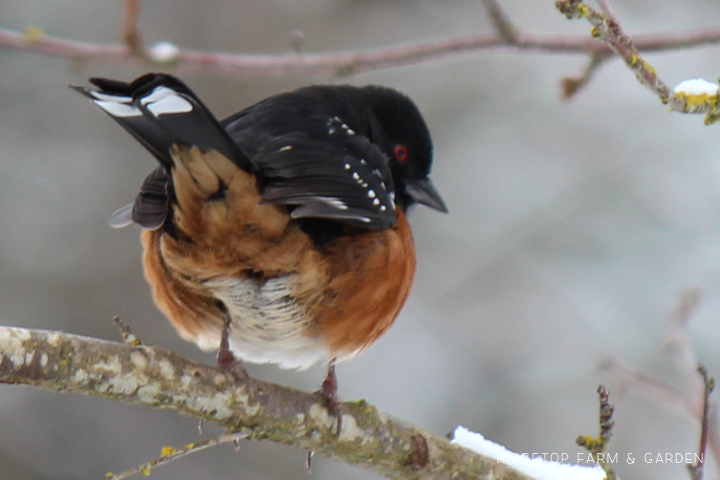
{"x":268,"y":326}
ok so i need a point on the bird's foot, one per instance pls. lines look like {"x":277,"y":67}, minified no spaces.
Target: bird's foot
{"x":328,"y":391}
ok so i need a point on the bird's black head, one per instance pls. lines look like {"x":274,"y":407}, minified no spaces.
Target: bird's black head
{"x":405,"y":138}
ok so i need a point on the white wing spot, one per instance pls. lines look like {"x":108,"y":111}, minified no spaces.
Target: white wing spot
{"x":335,"y":202}
{"x":376,"y":202}
{"x":348,"y":167}
{"x":174,"y":104}
{"x":118,"y":109}
{"x":383,"y":208}
{"x":337,"y":122}
{"x":106,"y":97}
{"x":285,"y":148}
{"x":159,"y":93}
{"x":371,"y":193}
{"x":356,"y":176}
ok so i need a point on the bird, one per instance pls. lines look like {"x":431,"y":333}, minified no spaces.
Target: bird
{"x":279,"y":234}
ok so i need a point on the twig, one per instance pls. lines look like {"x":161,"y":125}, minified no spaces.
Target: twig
{"x":156,"y":378}
{"x":127,"y":335}
{"x":169,"y":454}
{"x":607,"y":9}
{"x":131,"y":34}
{"x":677,"y":339}
{"x":606,"y":414}
{"x":688,"y":303}
{"x":697,"y":469}
{"x":501,"y":21}
{"x":697,"y":401}
{"x":339,"y":63}
{"x":607,"y":28}
{"x":650,"y":387}
{"x":571,"y":85}
{"x":597,"y":446}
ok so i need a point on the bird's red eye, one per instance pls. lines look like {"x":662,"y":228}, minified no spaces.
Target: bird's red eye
{"x":401,"y":153}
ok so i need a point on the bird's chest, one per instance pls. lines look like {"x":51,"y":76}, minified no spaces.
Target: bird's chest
{"x":269,"y":323}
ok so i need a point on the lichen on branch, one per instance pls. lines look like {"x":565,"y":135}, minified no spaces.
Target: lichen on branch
{"x":157,"y":378}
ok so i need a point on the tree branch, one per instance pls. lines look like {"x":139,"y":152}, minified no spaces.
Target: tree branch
{"x":131,"y":34}
{"x":156,"y":378}
{"x":343,"y":63}
{"x":607,"y":27}
{"x":696,"y":401}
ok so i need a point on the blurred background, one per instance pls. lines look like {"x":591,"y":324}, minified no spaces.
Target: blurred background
{"x":574,"y":228}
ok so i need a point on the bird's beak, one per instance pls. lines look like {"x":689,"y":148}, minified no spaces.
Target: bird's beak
{"x":423,"y":191}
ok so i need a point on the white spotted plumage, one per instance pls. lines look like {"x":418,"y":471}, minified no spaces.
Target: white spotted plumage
{"x":336,"y":122}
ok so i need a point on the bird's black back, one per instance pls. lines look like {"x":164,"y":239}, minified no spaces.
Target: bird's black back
{"x":326,"y":152}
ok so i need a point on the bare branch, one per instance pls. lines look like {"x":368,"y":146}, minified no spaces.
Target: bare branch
{"x":697,"y":469}
{"x":607,"y":28}
{"x":170,"y":454}
{"x":571,"y":85}
{"x":131,"y":34}
{"x":501,"y":21}
{"x":160,"y":379}
{"x":652,"y":388}
{"x":597,"y":446}
{"x":696,"y":401}
{"x":342,"y":63}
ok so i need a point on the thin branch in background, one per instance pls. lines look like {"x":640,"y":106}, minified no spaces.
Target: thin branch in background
{"x":597,"y":446}
{"x":501,"y":22}
{"x":571,"y":85}
{"x":606,"y":416}
{"x":297,"y":41}
{"x":607,"y":9}
{"x":169,"y":454}
{"x":687,"y":305}
{"x":131,"y":35}
{"x":127,"y":336}
{"x":167,"y":55}
{"x":649,"y":386}
{"x":607,"y":28}
{"x":677,"y":339}
{"x":697,"y":469}
{"x":696,"y":402}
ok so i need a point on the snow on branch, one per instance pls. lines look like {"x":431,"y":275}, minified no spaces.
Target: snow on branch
{"x":685,"y":98}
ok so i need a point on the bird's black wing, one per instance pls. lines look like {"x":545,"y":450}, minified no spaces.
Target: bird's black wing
{"x":314,"y":162}
{"x":344,"y":178}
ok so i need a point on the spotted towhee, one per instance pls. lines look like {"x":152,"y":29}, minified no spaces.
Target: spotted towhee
{"x":278,"y":234}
